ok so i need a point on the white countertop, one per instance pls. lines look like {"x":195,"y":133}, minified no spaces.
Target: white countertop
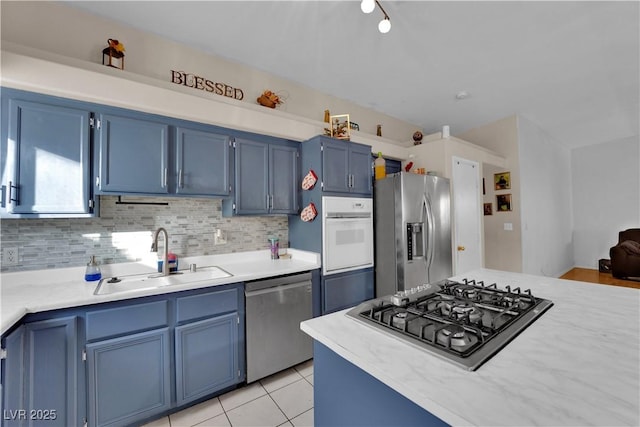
{"x":36,"y":291}
{"x":576,"y":365}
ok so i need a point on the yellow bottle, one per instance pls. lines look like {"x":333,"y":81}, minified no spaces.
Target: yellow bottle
{"x":379,"y":167}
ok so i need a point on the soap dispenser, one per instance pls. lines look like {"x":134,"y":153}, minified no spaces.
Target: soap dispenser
{"x":92,"y":273}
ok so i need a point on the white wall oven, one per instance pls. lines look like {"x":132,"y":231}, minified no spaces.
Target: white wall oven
{"x":347,"y":234}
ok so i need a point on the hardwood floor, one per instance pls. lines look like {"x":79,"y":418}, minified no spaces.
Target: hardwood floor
{"x":594,"y":276}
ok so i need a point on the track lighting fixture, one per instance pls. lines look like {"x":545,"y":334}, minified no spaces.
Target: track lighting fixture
{"x":367,"y":6}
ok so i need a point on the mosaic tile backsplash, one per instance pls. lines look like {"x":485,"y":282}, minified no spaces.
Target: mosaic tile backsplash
{"x":123,"y":233}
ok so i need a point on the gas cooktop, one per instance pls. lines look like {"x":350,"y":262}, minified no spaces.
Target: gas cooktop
{"x":464,"y":322}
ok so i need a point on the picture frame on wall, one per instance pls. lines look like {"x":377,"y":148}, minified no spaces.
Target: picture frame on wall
{"x":503,"y":202}
{"x":488,"y":209}
{"x":502,"y":180}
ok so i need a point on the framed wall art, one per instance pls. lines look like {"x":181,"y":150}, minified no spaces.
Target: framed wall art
{"x":503,"y":202}
{"x":502,"y":180}
{"x":488,"y":209}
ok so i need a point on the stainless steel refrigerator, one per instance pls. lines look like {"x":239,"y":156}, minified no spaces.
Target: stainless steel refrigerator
{"x":412,"y":217}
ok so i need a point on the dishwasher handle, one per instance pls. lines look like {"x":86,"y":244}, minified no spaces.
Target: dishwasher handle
{"x":276,"y":281}
{"x":281,"y":288}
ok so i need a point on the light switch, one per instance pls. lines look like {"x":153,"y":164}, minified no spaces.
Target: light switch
{"x":508,"y":226}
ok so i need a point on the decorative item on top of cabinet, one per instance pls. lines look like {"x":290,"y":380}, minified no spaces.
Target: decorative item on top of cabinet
{"x":340,"y":127}
{"x":417,"y":137}
{"x":270,"y":99}
{"x":113,"y":55}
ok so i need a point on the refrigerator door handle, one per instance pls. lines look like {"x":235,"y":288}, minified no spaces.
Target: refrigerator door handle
{"x":429,"y":233}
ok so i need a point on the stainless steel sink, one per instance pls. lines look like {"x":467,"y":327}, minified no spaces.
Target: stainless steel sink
{"x":111,"y":285}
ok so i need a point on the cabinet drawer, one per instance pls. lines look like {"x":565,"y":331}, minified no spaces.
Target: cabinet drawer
{"x":208,"y":304}
{"x":125,"y":320}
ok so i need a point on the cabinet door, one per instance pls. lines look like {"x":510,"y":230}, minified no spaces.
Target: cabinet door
{"x":206,"y":357}
{"x":360,"y":168}
{"x":52,"y":374}
{"x":252,"y":177}
{"x":343,"y":290}
{"x":41,"y":384}
{"x":335,"y":166}
{"x":48,"y":150}
{"x":129,"y":378}
{"x":283,"y":179}
{"x":13,"y":377}
{"x":133,"y":155}
{"x":202,"y":163}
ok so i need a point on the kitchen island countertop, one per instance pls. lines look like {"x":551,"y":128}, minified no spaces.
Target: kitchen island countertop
{"x":42,"y":290}
{"x":578,"y":364}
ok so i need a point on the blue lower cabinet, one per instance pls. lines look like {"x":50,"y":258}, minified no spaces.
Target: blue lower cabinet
{"x":345,"y":395}
{"x":206,"y":357}
{"x":129,"y":378}
{"x":41,"y":383}
{"x":344,"y":290}
{"x":145,"y":358}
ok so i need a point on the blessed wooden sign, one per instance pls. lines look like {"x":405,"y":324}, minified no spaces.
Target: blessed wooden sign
{"x":198,"y":82}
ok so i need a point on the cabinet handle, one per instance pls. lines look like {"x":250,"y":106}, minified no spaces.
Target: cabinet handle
{"x":267,"y":202}
{"x":11,"y":198}
{"x":164,"y":179}
{"x":180,"y":179}
{"x":271,"y":202}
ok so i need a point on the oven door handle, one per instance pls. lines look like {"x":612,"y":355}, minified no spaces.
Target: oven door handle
{"x":344,"y":215}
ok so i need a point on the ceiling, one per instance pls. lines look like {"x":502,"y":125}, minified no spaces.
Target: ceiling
{"x":571,"y":68}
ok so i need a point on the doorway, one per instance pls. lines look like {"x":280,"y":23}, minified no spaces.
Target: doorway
{"x":467,"y":216}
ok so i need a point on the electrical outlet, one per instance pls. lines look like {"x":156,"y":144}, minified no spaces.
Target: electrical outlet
{"x":220,"y":237}
{"x":9,"y":256}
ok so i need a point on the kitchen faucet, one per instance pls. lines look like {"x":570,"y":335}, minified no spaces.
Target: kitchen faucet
{"x":154,"y":248}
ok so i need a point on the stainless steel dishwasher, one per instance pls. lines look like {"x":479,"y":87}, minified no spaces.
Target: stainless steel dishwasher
{"x":274,"y":309}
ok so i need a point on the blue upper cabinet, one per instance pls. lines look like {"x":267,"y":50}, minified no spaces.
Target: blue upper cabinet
{"x":133,"y":155}
{"x":202,"y":162}
{"x":336,"y":174}
{"x":266,"y":178}
{"x":284,"y":175}
{"x":252,"y":177}
{"x":361,"y":169}
{"x":346,"y":166}
{"x":146,"y":155}
{"x":46,"y":157}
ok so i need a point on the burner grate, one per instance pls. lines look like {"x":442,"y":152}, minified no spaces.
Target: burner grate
{"x":459,"y":318}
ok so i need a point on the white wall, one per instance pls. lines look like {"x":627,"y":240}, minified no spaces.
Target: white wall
{"x":503,"y":248}
{"x":79,"y":36}
{"x":545,"y":188}
{"x":606,"y":197}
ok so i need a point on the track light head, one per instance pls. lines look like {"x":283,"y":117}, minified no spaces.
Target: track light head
{"x":385,"y":25}
{"x":367,"y":6}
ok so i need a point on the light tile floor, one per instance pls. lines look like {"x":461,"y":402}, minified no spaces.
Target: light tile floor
{"x":283,"y":399}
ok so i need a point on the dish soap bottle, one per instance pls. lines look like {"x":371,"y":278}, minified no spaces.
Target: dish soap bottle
{"x":92,"y":273}
{"x":379,"y":166}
